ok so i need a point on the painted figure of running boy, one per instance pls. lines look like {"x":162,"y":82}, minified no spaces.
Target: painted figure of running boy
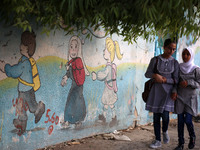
{"x":27,"y":74}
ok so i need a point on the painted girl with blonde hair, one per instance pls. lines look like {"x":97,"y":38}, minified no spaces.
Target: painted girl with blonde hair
{"x":108,"y":75}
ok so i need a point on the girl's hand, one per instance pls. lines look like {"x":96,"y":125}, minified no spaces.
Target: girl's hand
{"x":64,"y":81}
{"x":94,"y":76}
{"x":183,"y":84}
{"x":174,"y":96}
{"x":164,"y":80}
{"x":158,"y":78}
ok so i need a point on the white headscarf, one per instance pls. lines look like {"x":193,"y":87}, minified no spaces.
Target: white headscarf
{"x":80,"y":54}
{"x":188,"y":66}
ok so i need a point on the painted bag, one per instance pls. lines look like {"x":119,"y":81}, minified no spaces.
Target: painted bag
{"x":78,"y":70}
{"x":35,"y":76}
{"x":114,"y":78}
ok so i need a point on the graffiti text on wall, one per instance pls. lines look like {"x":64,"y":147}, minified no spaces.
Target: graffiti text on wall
{"x":53,"y":119}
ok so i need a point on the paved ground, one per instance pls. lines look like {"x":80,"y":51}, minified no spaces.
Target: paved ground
{"x":140,"y":138}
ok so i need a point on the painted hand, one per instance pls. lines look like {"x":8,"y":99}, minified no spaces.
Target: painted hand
{"x":94,"y":76}
{"x":67,"y":67}
{"x":64,"y":81}
{"x":2,"y":66}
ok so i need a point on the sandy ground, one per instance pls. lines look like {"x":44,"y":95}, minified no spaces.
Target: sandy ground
{"x":140,"y":139}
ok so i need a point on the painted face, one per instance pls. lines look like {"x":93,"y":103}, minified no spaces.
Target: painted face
{"x":106,"y":54}
{"x":170,"y":49}
{"x":23,"y":49}
{"x":186,"y":55}
{"x":73,"y":50}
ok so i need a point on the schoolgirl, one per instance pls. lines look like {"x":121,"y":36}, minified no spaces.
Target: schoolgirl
{"x":160,"y":100}
{"x":186,"y":104}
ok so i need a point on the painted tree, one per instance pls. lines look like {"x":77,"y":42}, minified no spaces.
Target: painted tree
{"x":129,"y":18}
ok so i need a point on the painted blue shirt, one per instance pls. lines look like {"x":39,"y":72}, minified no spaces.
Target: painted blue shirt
{"x":22,"y":70}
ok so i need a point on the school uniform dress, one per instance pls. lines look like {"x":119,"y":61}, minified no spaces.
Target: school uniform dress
{"x":187,"y":97}
{"x":186,"y":104}
{"x":159,"y":99}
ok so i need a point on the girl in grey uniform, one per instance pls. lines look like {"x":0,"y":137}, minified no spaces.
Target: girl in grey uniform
{"x":159,"y":100}
{"x":186,"y":104}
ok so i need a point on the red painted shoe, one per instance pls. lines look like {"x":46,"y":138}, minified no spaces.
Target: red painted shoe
{"x":21,"y":125}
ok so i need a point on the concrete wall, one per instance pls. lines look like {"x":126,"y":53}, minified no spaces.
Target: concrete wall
{"x":51,"y":55}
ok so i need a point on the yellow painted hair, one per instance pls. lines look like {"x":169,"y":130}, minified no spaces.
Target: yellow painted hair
{"x":113,"y":46}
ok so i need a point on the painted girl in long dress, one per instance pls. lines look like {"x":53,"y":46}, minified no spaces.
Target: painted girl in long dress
{"x":75,"y":109}
{"x":109,"y":96}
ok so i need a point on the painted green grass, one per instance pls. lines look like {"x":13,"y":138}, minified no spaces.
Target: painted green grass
{"x":7,"y":84}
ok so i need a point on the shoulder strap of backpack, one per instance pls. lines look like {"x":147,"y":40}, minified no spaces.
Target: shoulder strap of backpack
{"x":155,"y":70}
{"x":23,"y":81}
{"x":113,"y":78}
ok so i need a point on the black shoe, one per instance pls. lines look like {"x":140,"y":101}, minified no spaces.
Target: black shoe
{"x":102,"y":118}
{"x":39,"y":112}
{"x":113,"y":122}
{"x":192,"y":142}
{"x":179,"y":147}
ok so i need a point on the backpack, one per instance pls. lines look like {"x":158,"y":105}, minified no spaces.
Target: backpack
{"x":78,"y":70}
{"x":35,"y":75}
{"x":148,"y":84}
{"x":114,"y":78}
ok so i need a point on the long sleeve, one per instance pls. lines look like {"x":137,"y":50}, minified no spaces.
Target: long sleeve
{"x":14,"y":71}
{"x":103,"y":74}
{"x":21,"y":70}
{"x":175,"y":75}
{"x":150,"y":69}
{"x":195,"y":83}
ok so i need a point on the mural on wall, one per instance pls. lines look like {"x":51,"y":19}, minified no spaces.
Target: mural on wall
{"x":75,"y":108}
{"x":74,"y":104}
{"x":1,"y":126}
{"x":27,"y":74}
{"x":108,"y":75}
